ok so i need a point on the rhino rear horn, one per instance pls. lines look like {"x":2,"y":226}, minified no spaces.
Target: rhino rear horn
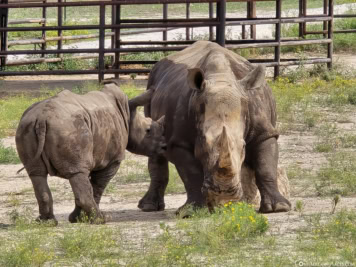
{"x":225,"y":155}
{"x":195,"y":78}
{"x":142,"y":99}
{"x":254,"y":79}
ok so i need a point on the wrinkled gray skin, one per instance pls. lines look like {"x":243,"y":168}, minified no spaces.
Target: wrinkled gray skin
{"x":83,"y":138}
{"x":220,"y":114}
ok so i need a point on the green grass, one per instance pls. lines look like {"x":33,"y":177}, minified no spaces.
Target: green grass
{"x":330,"y":241}
{"x":338,"y":176}
{"x":8,"y":155}
{"x":303,"y":94}
{"x":175,"y":184}
{"x":234,"y":235}
{"x":206,"y":238}
{"x":132,"y":171}
{"x":341,"y":42}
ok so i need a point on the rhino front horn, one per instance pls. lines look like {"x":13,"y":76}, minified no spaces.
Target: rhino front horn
{"x":225,"y":155}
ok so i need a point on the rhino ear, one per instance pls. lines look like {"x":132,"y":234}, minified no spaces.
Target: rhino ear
{"x":141,"y":100}
{"x":161,"y":120}
{"x":254,"y":79}
{"x":195,"y":78}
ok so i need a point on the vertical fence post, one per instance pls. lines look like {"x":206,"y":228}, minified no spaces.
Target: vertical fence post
{"x":301,"y":35}
{"x":60,"y":23}
{"x":3,"y":35}
{"x":117,"y":39}
{"x":330,"y":33}
{"x":211,"y":15}
{"x":165,"y":16}
{"x":102,"y":43}
{"x":304,"y":15}
{"x":187,"y":13}
{"x":44,"y":16}
{"x":113,"y":18}
{"x":325,"y":23}
{"x":251,"y":13}
{"x":220,"y":29}
{"x":243,"y":27}
{"x":277,"y":49}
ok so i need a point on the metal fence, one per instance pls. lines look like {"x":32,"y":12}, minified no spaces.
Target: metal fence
{"x":216,"y":22}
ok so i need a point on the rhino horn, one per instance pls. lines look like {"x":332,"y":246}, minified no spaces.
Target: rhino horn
{"x":225,"y":155}
{"x":254,"y":79}
{"x":141,"y":100}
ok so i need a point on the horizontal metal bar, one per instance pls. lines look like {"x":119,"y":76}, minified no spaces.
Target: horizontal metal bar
{"x":23,"y":21}
{"x":345,"y":31}
{"x":345,"y":16}
{"x":93,"y":50}
{"x":119,"y":2}
{"x":291,"y":63}
{"x":236,"y":44}
{"x":121,"y":26}
{"x":71,"y":72}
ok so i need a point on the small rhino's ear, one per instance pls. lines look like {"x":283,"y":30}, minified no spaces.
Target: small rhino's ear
{"x":142,"y":99}
{"x":161,"y":120}
{"x":254,"y":79}
{"x":195,"y":78}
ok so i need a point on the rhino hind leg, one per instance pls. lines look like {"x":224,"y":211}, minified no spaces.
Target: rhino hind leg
{"x":265,"y":166}
{"x":251,"y":193}
{"x":153,"y":200}
{"x":99,"y":180}
{"x":44,"y":198}
{"x":84,"y":199}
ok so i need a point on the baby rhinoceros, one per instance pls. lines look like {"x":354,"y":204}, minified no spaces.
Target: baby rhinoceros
{"x":83,"y":138}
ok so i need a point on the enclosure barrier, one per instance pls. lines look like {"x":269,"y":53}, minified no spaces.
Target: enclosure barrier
{"x":219,"y":22}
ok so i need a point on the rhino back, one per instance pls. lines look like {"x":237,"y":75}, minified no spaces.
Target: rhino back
{"x":82,"y":131}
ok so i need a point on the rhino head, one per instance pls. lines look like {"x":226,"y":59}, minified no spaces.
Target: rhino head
{"x":220,"y":103}
{"x":146,"y":137}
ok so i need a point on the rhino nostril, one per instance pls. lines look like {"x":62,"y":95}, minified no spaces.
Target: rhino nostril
{"x":164,"y":147}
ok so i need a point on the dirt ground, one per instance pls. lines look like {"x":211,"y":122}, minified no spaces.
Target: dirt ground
{"x":120,"y":204}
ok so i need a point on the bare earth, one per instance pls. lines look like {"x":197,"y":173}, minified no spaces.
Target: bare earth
{"x":120,"y":203}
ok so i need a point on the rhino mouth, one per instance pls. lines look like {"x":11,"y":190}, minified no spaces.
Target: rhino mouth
{"x":216,"y":194}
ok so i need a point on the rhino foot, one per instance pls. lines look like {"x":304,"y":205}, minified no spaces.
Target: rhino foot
{"x":151,"y":206}
{"x":78,"y":216}
{"x":280,"y":206}
{"x":47,"y":219}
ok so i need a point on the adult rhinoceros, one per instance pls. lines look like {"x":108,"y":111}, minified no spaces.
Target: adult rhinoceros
{"x":83,"y":138}
{"x":220,"y":115}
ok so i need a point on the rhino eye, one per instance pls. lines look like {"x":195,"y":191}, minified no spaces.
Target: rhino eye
{"x":148,"y":131}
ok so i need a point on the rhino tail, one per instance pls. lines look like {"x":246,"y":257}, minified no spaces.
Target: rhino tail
{"x":40,"y":130}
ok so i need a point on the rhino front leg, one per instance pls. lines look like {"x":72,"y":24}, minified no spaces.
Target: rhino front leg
{"x":265,"y":161}
{"x":153,"y":200}
{"x":44,"y":198}
{"x":99,"y":180}
{"x":84,"y":199}
{"x":191,"y":173}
